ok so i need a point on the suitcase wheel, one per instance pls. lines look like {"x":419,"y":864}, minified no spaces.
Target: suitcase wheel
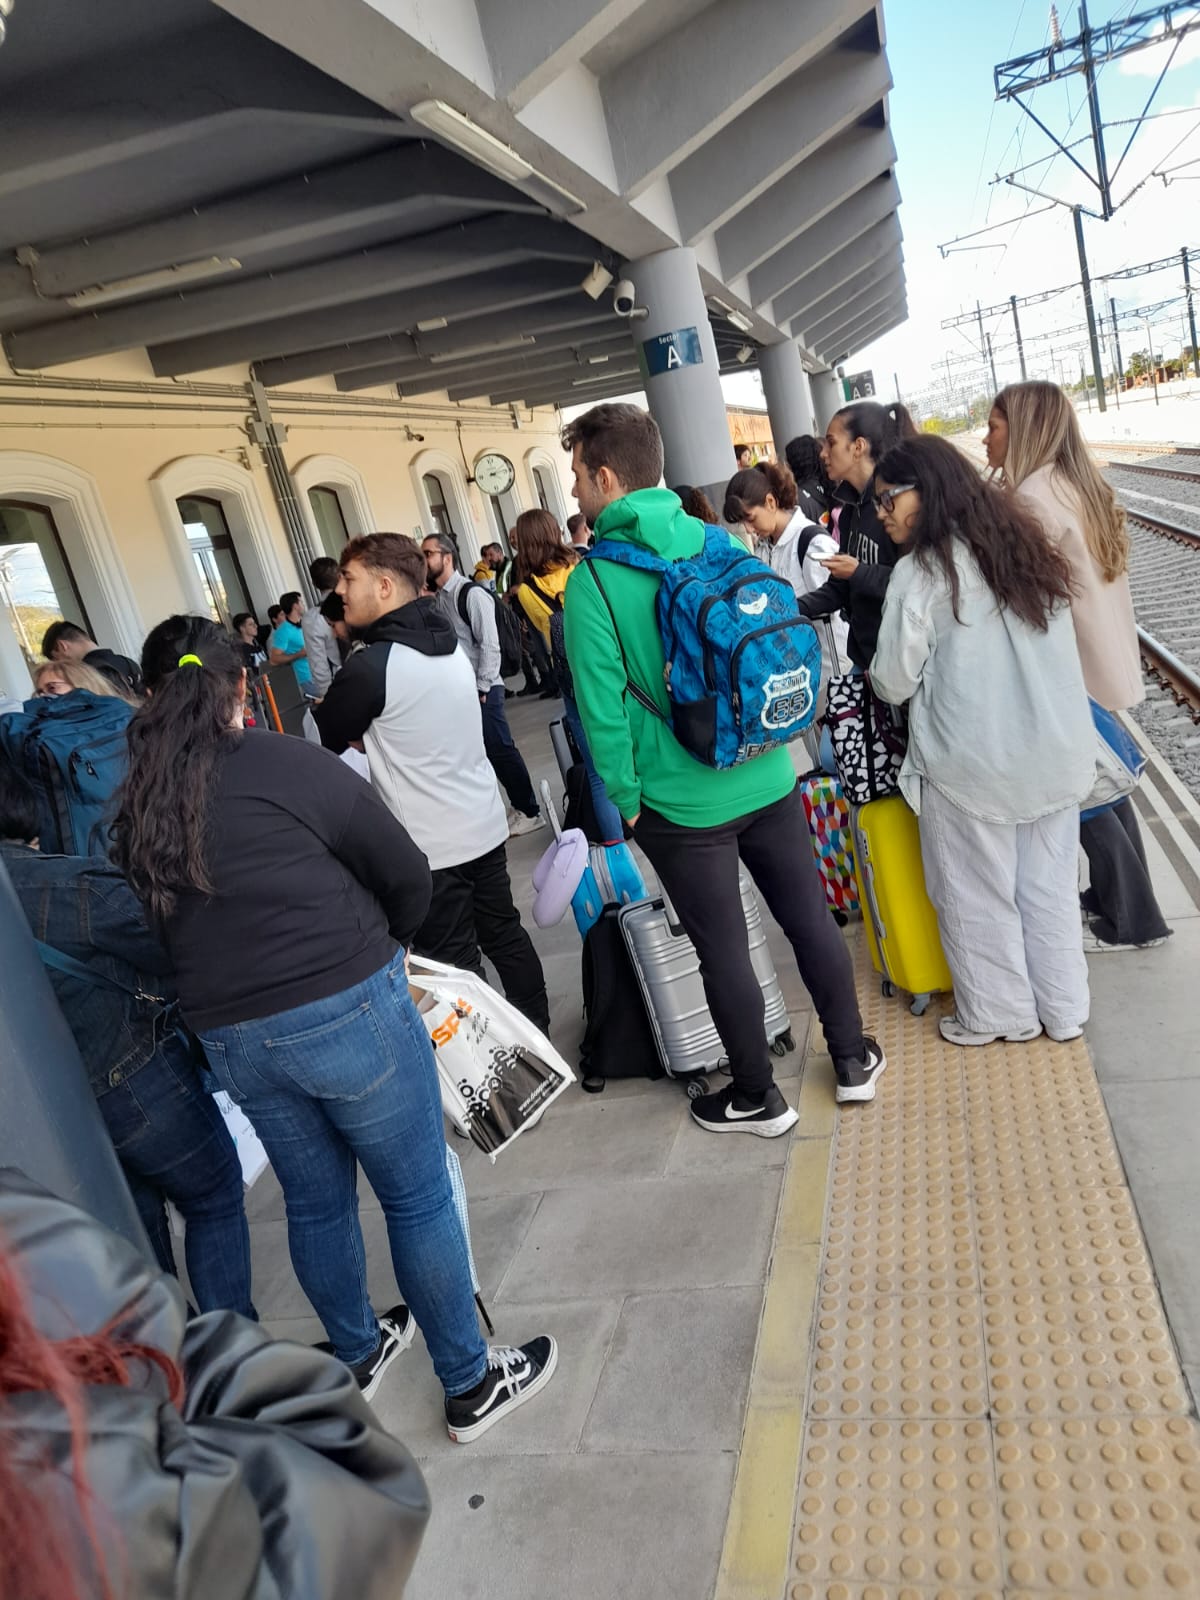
{"x":695,"y":1086}
{"x":784,"y":1045}
{"x":920,"y":1004}
{"x":889,"y":988}
{"x":840,"y":918}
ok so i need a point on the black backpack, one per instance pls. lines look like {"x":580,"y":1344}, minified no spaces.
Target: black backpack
{"x":558,"y":637}
{"x":618,"y":1041}
{"x":508,"y":629}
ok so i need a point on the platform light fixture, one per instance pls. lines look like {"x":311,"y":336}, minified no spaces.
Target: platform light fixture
{"x":472,"y":140}
{"x":745,"y":353}
{"x":431,"y":324}
{"x":148,"y":282}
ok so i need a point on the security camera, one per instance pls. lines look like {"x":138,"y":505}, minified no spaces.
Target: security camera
{"x":624,"y":297}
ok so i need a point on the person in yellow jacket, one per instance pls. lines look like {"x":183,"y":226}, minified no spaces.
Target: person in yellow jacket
{"x":542,"y":564}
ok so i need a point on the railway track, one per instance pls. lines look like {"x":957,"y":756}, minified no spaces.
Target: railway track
{"x":1176,"y":677}
{"x":1171,"y":474}
{"x":1165,"y":530}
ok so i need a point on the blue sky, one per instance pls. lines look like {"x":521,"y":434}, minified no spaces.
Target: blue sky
{"x":952,"y":136}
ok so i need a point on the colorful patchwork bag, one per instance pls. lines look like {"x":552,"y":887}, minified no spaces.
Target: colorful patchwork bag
{"x":832,"y":840}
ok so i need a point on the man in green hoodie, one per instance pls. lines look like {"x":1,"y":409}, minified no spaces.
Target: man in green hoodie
{"x":696,"y":822}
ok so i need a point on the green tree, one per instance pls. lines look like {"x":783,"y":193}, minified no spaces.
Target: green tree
{"x":1139,"y":364}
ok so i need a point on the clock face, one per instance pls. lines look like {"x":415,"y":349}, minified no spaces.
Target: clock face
{"x":494,"y":473}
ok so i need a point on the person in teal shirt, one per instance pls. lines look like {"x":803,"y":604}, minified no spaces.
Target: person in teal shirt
{"x":697,"y":823}
{"x":287,"y":642}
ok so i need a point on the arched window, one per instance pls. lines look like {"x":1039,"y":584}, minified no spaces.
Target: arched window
{"x":329,"y":517}
{"x":37,"y":586}
{"x":229,"y":559}
{"x":226,"y":591}
{"x":545,"y":480}
{"x":439,"y":510}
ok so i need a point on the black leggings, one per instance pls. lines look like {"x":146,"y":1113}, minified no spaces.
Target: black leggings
{"x":698,"y":868}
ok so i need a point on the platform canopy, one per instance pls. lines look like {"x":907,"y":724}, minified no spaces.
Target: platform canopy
{"x":395,"y":192}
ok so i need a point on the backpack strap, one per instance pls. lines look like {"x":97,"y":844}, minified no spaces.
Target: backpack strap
{"x":643,"y":699}
{"x":552,"y":602}
{"x":69,"y":967}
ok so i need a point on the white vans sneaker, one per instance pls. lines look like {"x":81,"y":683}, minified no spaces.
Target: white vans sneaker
{"x":522,"y":824}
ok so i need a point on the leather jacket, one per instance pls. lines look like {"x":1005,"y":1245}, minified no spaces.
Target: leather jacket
{"x":272,"y":1481}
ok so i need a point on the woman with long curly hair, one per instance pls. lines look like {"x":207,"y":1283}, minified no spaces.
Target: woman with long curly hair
{"x":976,"y":637}
{"x":1034,"y":439}
{"x":540,"y":572}
{"x":286,"y":894}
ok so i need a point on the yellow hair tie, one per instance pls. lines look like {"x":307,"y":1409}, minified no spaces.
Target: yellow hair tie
{"x":190,"y":661}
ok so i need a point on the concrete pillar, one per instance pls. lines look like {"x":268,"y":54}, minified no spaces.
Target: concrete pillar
{"x":828,"y":397}
{"x":50,"y":1125}
{"x":683,"y":384}
{"x":789,"y":398}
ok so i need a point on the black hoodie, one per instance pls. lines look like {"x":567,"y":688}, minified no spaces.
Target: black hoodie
{"x":861,"y":596}
{"x":359,"y":692}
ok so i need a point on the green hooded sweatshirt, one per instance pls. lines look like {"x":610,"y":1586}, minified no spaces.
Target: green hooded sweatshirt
{"x":639,"y":758}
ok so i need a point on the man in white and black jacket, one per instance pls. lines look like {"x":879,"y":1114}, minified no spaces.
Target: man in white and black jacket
{"x":409,"y":700}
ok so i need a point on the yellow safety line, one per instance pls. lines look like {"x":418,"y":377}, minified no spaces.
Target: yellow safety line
{"x":758,"y":1533}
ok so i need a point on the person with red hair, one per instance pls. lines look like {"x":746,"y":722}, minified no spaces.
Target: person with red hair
{"x":142,"y":1455}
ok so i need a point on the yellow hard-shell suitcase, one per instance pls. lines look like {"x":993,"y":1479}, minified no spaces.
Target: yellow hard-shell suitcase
{"x":902,"y":928}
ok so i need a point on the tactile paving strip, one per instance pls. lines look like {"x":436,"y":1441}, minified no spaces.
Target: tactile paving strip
{"x":995,"y":1409}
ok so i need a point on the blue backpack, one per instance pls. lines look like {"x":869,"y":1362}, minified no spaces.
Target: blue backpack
{"x":71,"y":748}
{"x":743,"y":668}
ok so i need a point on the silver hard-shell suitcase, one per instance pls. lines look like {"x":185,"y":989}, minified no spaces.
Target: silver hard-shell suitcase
{"x":668,"y":971}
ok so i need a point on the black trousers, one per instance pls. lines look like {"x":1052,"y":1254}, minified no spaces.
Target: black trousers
{"x":698,"y":867}
{"x":1121,"y":897}
{"x":472,"y":911}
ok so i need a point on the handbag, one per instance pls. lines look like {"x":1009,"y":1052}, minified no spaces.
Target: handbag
{"x":497,"y":1072}
{"x":870,"y":739}
{"x":1119,"y":763}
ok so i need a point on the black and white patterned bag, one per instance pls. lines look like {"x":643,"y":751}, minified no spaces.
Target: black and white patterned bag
{"x":869,"y":739}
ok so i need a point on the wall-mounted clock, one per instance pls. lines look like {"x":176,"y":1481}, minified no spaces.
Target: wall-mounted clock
{"x":494,"y":473}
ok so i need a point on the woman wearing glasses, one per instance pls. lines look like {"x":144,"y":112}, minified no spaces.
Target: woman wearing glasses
{"x":1034,"y":437}
{"x":977,"y":638}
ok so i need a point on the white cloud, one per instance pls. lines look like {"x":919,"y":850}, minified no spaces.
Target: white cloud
{"x":1150,"y":62}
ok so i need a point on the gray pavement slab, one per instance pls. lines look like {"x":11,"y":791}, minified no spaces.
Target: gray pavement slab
{"x":1143,"y":1026}
{"x":669,"y":1233}
{"x":597,"y":1527}
{"x":662,"y":1388}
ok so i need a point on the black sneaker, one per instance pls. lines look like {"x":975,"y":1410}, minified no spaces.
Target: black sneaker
{"x":513,"y":1376}
{"x":730,"y":1111}
{"x":856,"y":1079}
{"x":396,"y":1332}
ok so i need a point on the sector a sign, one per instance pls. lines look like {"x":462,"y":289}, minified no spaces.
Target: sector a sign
{"x":859,"y":386}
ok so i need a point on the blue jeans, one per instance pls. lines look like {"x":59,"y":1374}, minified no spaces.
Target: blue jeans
{"x":345,"y":1081}
{"x":173,"y":1144}
{"x":507,"y":761}
{"x":608,"y":818}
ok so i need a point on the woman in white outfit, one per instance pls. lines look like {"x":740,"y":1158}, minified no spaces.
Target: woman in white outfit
{"x":977,"y":637}
{"x":764,"y":499}
{"x":1034,"y":437}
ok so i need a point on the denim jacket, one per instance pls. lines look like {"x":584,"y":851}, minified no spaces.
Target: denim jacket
{"x":83,"y":906}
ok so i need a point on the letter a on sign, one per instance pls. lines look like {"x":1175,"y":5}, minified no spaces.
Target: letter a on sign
{"x":673,"y":357}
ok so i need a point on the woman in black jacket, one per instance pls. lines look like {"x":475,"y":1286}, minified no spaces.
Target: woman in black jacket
{"x":286,"y":893}
{"x":858,"y":575}
{"x":142,"y":1456}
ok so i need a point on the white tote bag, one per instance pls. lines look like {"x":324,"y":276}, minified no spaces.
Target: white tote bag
{"x":497,"y":1071}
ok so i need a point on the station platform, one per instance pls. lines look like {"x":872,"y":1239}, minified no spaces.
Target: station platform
{"x":940,"y":1347}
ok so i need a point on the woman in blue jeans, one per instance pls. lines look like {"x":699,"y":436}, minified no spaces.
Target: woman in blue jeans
{"x":113,"y":981}
{"x":286,"y":893}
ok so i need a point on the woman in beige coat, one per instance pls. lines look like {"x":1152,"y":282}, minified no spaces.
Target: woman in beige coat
{"x":1034,"y":436}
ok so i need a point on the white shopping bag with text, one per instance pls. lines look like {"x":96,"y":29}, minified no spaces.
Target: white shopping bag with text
{"x":497,"y":1071}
